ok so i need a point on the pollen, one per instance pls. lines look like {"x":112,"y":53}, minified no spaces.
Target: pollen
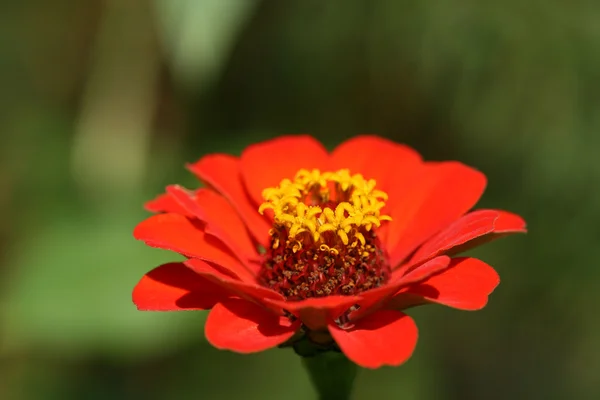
{"x":323,"y":239}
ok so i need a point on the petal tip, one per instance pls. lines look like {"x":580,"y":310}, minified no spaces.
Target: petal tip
{"x":508,"y":222}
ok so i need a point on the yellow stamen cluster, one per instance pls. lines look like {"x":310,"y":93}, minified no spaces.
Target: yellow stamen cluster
{"x":316,"y":202}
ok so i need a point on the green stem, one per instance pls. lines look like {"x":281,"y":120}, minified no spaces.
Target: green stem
{"x":332,"y":374}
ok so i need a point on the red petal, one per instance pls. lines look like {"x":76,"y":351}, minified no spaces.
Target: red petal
{"x":466,"y":285}
{"x":265,"y":164}
{"x":387,"y":337}
{"x":506,"y":224}
{"x":372,"y":156}
{"x":316,"y":312}
{"x":222,"y":221}
{"x":469,"y":231}
{"x":374,"y":298}
{"x":222,"y":172}
{"x":166,"y":203}
{"x":177,"y":233}
{"x":246,"y":289}
{"x":173,"y":286}
{"x":421,"y":272}
{"x":466,"y":228}
{"x":245,"y":327}
{"x":443,"y":193}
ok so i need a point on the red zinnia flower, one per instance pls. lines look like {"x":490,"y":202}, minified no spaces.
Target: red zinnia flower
{"x":290,"y":241}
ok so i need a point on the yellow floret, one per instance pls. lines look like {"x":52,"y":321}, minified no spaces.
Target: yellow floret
{"x":357,"y":211}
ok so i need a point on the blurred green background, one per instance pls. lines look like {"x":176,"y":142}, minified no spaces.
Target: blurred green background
{"x":102,"y":103}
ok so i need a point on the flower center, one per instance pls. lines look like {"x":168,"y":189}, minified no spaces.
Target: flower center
{"x":323,"y":240}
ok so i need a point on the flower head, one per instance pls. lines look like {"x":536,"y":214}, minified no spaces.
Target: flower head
{"x":291,"y":244}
